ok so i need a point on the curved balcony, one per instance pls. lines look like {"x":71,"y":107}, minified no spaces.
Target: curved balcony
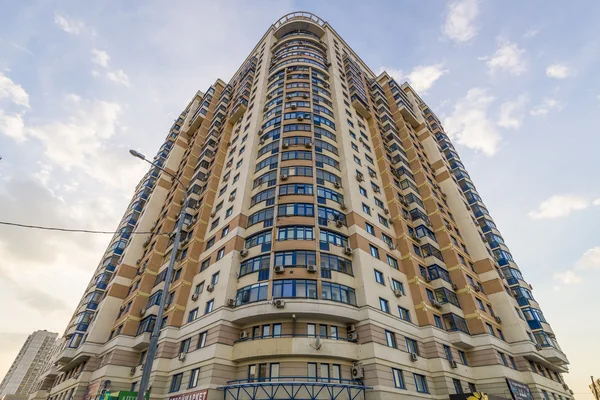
{"x":299,"y":21}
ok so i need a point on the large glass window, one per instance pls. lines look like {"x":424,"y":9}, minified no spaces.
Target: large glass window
{"x":333,"y":238}
{"x":296,"y":209}
{"x":332,"y":262}
{"x":296,"y":188}
{"x":297,"y":258}
{"x":301,"y":288}
{"x":455,"y":323}
{"x":265,"y":215}
{"x":254,"y":264}
{"x":295,"y":232}
{"x":258,"y":238}
{"x":251,"y":293}
{"x":336,"y":292}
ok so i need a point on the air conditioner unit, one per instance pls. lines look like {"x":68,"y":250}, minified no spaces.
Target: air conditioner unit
{"x":232,"y":197}
{"x":279,"y":303}
{"x":181,"y":357}
{"x":538,"y":346}
{"x":348,"y":251}
{"x":305,"y":95}
{"x":244,"y":335}
{"x":142,"y":312}
{"x":285,"y":145}
{"x":436,"y":304}
{"x":260,"y":131}
{"x":454,"y":286}
{"x":565,"y":386}
{"x":398,"y":293}
{"x":337,"y":185}
{"x":427,"y":279}
{"x":391,"y":220}
{"x":138,"y":262}
{"x":360,"y":177}
{"x":358,"y":372}
{"x":293,"y":107}
{"x":212,"y":214}
{"x":210,"y":287}
{"x":328,"y":64}
{"x":386,"y":211}
{"x":308,"y":145}
{"x":477,"y":289}
{"x":352,"y":336}
{"x":265,"y":108}
{"x":279,"y":269}
{"x":244,"y":252}
{"x":498,"y":319}
{"x":453,"y":364}
{"x":132,"y":371}
{"x":300,"y":118}
{"x":343,"y":206}
{"x":392,"y":246}
{"x":230,"y":302}
{"x":311,"y":268}
{"x":371,"y":173}
{"x":283,"y":177}
{"x":269,"y":96}
{"x":339,"y":223}
{"x":413,"y":357}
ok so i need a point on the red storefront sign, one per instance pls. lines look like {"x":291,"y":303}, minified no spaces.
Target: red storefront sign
{"x":199,"y":395}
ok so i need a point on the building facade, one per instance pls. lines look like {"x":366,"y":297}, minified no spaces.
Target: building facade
{"x":31,"y":360}
{"x":334,"y":247}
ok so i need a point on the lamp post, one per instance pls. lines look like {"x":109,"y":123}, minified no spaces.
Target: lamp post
{"x":151,"y":352}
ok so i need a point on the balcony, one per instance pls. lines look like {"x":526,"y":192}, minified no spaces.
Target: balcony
{"x":239,"y":110}
{"x":361,"y":106}
{"x":141,"y":341}
{"x":66,"y":355}
{"x":408,"y":113}
{"x":554,"y":355}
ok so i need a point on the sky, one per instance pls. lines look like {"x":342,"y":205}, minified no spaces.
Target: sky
{"x":514,"y":83}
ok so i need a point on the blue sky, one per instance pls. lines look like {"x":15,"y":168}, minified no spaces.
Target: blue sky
{"x":81,"y":82}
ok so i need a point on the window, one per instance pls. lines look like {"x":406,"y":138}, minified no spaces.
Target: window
{"x":366,"y":209}
{"x":298,"y":258}
{"x":176,"y":383}
{"x":448,"y":352}
{"x":379,"y":277}
{"x":362,"y":191}
{"x":225,"y":231}
{"x":337,"y":292}
{"x":202,"y":339}
{"x":392,"y":262}
{"x":404,"y":314}
{"x":199,"y":288}
{"x":251,"y":372}
{"x":274,"y":371}
{"x":503,"y":359}
{"x":209,"y":306}
{"x":311,"y":330}
{"x":398,"y":378}
{"x":457,"y":386}
{"x":500,"y":334}
{"x":370,"y":228}
{"x":215,"y":278}
{"x":333,"y":332}
{"x":512,"y":362}
{"x":421,"y":383}
{"x":288,"y":288}
{"x":294,"y":232}
{"x":412,"y":346}
{"x":463,"y":357}
{"x":374,"y":251}
{"x":229,"y":212}
{"x":194,"y":374}
{"x":251,"y":294}
{"x":390,"y":339}
{"x":312,"y":372}
{"x":490,"y":329}
{"x":193,"y":314}
{"x":220,"y":253}
{"x":384,"y":305}
{"x":472,"y":387}
{"x":276,"y":330}
{"x":479,"y":304}
{"x":438,"y":321}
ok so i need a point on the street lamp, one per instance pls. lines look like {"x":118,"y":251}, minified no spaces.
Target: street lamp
{"x":151,"y":352}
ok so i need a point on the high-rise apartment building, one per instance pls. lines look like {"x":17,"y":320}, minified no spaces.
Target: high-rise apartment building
{"x":334,"y":246}
{"x":31,"y":360}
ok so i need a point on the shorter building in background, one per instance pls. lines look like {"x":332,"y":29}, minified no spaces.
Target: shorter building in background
{"x":30,"y":361}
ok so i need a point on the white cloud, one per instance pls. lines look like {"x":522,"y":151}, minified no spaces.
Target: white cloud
{"x":469,"y":124}
{"x":13,"y":126}
{"x":548,"y":104}
{"x":460,"y":21}
{"x":512,"y":113}
{"x":509,"y":57}
{"x":531,"y":33}
{"x":119,"y":76}
{"x":100,"y":57}
{"x":559,"y":71}
{"x":559,"y":206}
{"x":13,"y":92}
{"x":422,"y":77}
{"x":590,"y":259}
{"x":69,"y":25}
{"x":567,"y":278}
{"x":596,"y":202}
